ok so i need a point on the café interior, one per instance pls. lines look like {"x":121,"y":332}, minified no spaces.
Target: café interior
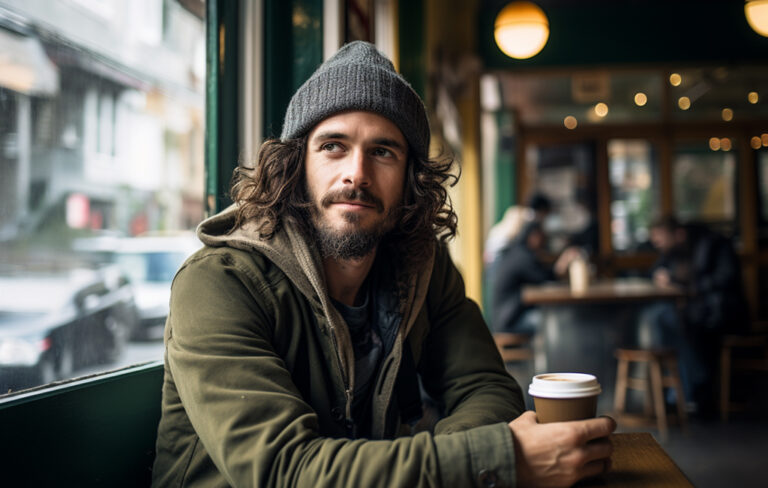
{"x":620,"y":113}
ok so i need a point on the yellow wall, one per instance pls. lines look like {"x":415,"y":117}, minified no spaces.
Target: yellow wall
{"x":451,"y":31}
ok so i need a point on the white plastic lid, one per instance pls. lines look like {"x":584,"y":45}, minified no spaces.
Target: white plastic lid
{"x":564,"y":385}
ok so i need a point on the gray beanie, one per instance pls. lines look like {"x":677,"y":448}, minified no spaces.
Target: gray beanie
{"x":358,"y":77}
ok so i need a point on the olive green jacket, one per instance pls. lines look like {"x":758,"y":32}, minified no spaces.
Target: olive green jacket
{"x":259,"y":369}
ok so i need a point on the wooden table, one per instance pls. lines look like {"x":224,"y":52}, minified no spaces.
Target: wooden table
{"x":601,"y":292}
{"x":580,"y":331}
{"x":639,"y":461}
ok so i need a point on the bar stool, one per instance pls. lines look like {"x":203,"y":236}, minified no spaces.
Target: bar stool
{"x":731,"y":363}
{"x":513,"y":347}
{"x":662,"y":372}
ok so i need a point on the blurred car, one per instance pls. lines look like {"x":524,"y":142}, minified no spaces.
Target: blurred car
{"x":151,"y":262}
{"x":55,"y":322}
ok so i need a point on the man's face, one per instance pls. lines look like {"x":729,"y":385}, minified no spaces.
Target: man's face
{"x":536,"y":240}
{"x":662,"y":239}
{"x":355,"y":172}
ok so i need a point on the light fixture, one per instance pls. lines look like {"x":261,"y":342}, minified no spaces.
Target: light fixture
{"x":521,"y":30}
{"x":570,"y":122}
{"x":756,"y":12}
{"x":755,"y":142}
{"x":684,"y":103}
{"x":727,"y":114}
{"x":714,"y":143}
{"x":601,"y":109}
{"x":640,"y":99}
{"x":753,"y":97}
{"x":725,"y":144}
{"x":675,"y":79}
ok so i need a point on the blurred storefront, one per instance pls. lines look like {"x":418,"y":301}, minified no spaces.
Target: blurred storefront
{"x":102,"y":118}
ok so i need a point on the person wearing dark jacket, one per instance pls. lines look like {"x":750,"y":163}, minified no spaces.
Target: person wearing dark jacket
{"x":299,"y":336}
{"x":703,"y":264}
{"x":520,"y":265}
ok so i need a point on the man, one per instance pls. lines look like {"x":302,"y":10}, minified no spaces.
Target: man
{"x":297,"y":337}
{"x":504,"y":232}
{"x":520,"y":264}
{"x":703,"y":264}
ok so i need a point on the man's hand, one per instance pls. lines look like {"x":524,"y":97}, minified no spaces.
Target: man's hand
{"x":565,"y":259}
{"x":560,"y":453}
{"x":661,"y":278}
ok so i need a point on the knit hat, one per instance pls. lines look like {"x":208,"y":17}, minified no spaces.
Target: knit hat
{"x":358,"y":77}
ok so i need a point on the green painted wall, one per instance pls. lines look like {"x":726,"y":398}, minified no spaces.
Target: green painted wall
{"x":293,"y":49}
{"x":412,"y":41}
{"x":96,"y":432}
{"x":222,"y":88}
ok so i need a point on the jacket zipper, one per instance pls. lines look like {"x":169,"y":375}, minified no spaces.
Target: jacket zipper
{"x":349,"y":423}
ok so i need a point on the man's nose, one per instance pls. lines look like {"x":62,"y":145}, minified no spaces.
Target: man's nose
{"x":356,"y":169}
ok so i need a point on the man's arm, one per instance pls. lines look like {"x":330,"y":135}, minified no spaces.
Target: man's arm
{"x":459,"y":361}
{"x":462,"y":366}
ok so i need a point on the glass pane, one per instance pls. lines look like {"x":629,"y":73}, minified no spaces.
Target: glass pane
{"x":704,"y":183}
{"x":101,"y":179}
{"x":565,"y":174}
{"x":762,"y":188}
{"x":590,"y":97}
{"x":632,"y":167}
{"x":719,"y":94}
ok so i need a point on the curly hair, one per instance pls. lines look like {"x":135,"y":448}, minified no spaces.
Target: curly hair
{"x":276,"y":188}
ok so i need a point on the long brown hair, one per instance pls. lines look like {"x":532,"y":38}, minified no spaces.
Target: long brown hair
{"x":276,"y":188}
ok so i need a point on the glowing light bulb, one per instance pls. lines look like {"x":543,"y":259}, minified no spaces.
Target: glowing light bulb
{"x":714,"y":143}
{"x":601,"y":109}
{"x":675,"y":79}
{"x":684,"y":103}
{"x":570,"y":122}
{"x":727,"y":114}
{"x":756,"y":12}
{"x":521,"y":30}
{"x":753,"y":97}
{"x":640,"y":99}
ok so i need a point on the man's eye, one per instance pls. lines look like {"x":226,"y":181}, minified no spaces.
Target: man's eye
{"x":382,"y":152}
{"x":331,"y":147}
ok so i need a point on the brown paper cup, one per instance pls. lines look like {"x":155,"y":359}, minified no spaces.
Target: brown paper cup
{"x":560,"y":397}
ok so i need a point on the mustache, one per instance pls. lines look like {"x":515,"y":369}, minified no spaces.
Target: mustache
{"x":352,"y":195}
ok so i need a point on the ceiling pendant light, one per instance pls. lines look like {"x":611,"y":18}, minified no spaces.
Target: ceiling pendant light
{"x":521,"y":30}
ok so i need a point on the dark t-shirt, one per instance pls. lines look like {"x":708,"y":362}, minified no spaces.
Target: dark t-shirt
{"x":368,"y":350}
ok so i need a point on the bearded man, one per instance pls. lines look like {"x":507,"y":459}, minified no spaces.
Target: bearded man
{"x":301,"y":336}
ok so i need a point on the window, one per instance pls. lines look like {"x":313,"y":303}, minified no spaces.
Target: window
{"x":704,"y":183}
{"x":633,"y":175}
{"x":762,"y":189}
{"x":565,"y":173}
{"x":101,"y":170}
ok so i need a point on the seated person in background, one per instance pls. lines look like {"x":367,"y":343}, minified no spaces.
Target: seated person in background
{"x":520,"y":264}
{"x":298,"y":335}
{"x":503,"y":233}
{"x":703,"y":264}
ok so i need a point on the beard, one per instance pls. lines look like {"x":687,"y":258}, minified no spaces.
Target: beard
{"x":349,"y":243}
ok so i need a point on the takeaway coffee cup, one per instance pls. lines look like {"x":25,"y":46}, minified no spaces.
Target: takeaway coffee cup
{"x":560,"y":397}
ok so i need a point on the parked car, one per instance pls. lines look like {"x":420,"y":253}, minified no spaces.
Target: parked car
{"x":55,"y":322}
{"x":151,"y":263}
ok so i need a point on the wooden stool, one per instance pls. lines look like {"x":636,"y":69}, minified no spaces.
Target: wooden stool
{"x":513,"y":347}
{"x":729,"y":365}
{"x":653,"y":386}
